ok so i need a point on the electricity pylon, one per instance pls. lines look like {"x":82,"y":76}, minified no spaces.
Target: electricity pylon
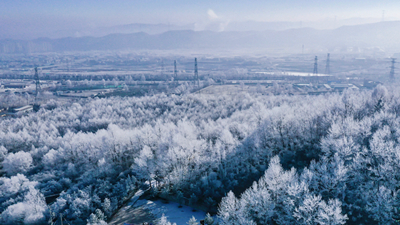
{"x":196,"y":73}
{"x":316,"y":66}
{"x":37,"y":82}
{"x":327,"y":68}
{"x":391,"y":75}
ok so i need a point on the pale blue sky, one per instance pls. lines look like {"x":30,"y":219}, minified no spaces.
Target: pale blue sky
{"x":71,"y":14}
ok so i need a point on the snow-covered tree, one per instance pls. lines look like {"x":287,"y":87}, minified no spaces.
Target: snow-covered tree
{"x":19,"y":162}
{"x":164,"y":221}
{"x":228,"y":209}
{"x":31,"y":210}
{"x":193,"y":221}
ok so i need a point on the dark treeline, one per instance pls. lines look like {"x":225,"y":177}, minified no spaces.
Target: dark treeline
{"x":329,"y":159}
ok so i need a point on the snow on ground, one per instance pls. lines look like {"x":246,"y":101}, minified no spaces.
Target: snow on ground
{"x":139,"y":211}
{"x":132,"y":213}
{"x":289,"y":73}
{"x":171,"y":210}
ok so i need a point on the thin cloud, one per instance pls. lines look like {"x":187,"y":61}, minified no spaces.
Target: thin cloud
{"x":212,"y":15}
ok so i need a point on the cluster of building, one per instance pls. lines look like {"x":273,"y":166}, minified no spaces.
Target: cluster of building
{"x":16,"y":111}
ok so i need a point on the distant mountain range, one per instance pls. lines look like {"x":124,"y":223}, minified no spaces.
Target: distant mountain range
{"x":382,"y":35}
{"x":122,"y":29}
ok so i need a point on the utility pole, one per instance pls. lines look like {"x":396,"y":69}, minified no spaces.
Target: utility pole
{"x":327,"y":68}
{"x":391,"y":76}
{"x":196,"y":73}
{"x":316,"y":66}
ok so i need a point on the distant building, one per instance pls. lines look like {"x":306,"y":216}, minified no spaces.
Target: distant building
{"x":327,"y":86}
{"x":18,"y":111}
{"x":341,"y":87}
{"x":15,"y":85}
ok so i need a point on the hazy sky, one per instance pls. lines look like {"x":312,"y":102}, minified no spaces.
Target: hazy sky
{"x":38,"y":15}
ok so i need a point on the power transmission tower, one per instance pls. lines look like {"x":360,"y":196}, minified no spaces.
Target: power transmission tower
{"x":67,"y":65}
{"x":175,"y":71}
{"x":162,"y":68}
{"x":391,"y":76}
{"x":327,"y":68}
{"x":316,"y":66}
{"x":196,"y":73}
{"x":37,"y":82}
{"x":36,"y":105}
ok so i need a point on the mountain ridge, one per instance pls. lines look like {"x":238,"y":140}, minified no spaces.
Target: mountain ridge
{"x":382,"y":35}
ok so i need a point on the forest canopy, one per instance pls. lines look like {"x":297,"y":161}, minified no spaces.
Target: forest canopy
{"x":251,"y":158}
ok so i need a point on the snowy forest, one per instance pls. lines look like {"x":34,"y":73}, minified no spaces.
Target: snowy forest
{"x":248,"y":158}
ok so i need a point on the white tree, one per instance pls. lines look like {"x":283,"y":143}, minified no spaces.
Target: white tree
{"x":381,"y":205}
{"x":208,"y":220}
{"x":330,"y":177}
{"x":192,"y":221}
{"x":19,"y":162}
{"x":164,"y":221}
{"x":69,"y":83}
{"x":107,"y":207}
{"x":314,"y":210}
{"x":331,"y":213}
{"x":379,"y":97}
{"x":36,"y":206}
{"x":307,"y":212}
{"x":256,"y":203}
{"x":97,"y":218}
{"x":31,"y":211}
{"x":228,"y":209}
